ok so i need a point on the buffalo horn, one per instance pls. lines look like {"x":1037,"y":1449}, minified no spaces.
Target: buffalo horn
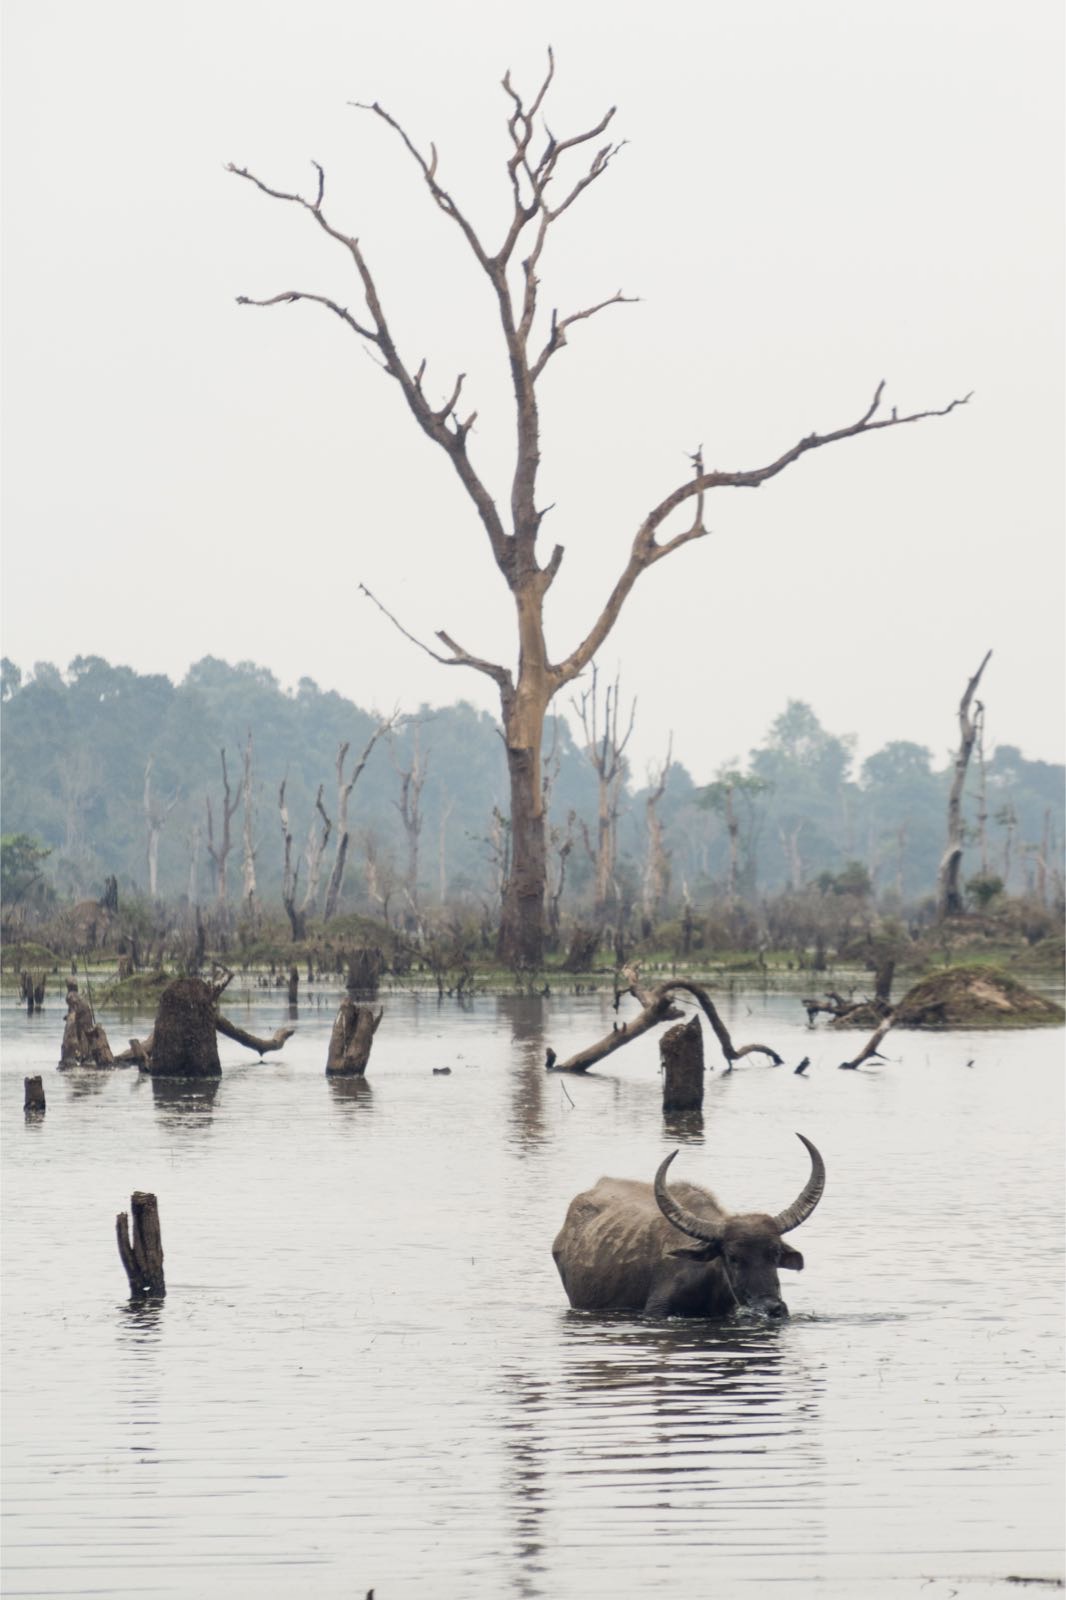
{"x":688,"y":1222}
{"x":801,"y":1209}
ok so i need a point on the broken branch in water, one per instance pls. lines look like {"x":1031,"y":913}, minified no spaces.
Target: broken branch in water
{"x":658,"y":1006}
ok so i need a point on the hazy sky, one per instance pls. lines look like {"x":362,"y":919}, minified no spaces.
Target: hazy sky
{"x":813,"y":197}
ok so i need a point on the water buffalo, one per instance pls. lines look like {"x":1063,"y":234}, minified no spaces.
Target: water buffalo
{"x":619,"y":1250}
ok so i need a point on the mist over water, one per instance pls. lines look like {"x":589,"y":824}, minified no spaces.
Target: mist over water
{"x":365,"y":1372}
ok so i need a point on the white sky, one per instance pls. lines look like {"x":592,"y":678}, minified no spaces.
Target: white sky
{"x":814,"y":196}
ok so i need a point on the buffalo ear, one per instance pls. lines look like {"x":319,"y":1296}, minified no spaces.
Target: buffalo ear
{"x":699,"y":1252}
{"x":791,"y":1259}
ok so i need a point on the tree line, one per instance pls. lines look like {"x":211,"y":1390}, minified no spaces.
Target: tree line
{"x":227,"y":789}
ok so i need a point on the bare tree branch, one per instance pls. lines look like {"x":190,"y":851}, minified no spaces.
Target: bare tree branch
{"x":645,"y":551}
{"x":458,"y":658}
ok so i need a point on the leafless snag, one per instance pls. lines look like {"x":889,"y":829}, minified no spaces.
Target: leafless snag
{"x":949,"y":895}
{"x":220,"y":853}
{"x":605,"y":750}
{"x":546,"y":174}
{"x":344,"y":790}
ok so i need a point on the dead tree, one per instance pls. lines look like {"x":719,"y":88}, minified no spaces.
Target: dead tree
{"x":318,"y":834}
{"x":182,"y":1043}
{"x":351,"y":1040}
{"x":409,"y":805}
{"x":949,"y":893}
{"x":447,"y":806}
{"x":539,"y":189}
{"x":605,"y":753}
{"x":248,"y":885}
{"x":656,"y":886}
{"x":155,"y":817}
{"x":219,"y":853}
{"x":657,"y":1006}
{"x":344,"y":791}
{"x":290,"y":874}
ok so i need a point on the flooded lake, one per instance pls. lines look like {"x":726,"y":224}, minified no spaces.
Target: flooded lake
{"x":365,"y":1372}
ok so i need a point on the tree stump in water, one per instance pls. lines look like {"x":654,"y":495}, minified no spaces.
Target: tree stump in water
{"x":85,"y":1043}
{"x":294,"y":985}
{"x":351,"y":1040}
{"x":681,"y":1049}
{"x":34,"y":1102}
{"x":183,"y":1041}
{"x":142,"y":1256}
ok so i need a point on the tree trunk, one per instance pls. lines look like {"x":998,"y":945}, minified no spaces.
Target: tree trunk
{"x":522,"y":917}
{"x":85,"y":1043}
{"x":184,"y":1042}
{"x":142,"y":1256}
{"x":351,"y":1040}
{"x":681,"y":1051}
{"x":949,"y":894}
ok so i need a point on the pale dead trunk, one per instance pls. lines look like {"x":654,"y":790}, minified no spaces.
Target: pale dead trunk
{"x":219,"y":854}
{"x":248,"y":887}
{"x":344,"y":791}
{"x":155,"y":817}
{"x":317,"y":839}
{"x":949,"y":893}
{"x":656,"y":886}
{"x":446,"y":808}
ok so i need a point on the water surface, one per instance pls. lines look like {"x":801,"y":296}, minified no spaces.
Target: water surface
{"x":365,"y":1372}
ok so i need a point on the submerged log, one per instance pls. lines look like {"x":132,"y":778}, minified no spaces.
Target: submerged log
{"x":657,"y":1006}
{"x":352,"y":1040}
{"x":681,"y":1050}
{"x":142,"y":1256}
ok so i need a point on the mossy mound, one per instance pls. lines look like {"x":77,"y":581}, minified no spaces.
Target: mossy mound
{"x":26,"y":954}
{"x":975,"y":997}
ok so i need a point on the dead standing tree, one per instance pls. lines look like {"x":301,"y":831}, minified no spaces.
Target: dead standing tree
{"x":409,"y":805}
{"x":949,"y":894}
{"x":155,"y":817}
{"x":248,"y":884}
{"x":655,"y":890}
{"x":605,"y":753}
{"x":539,"y":196}
{"x":344,"y":793}
{"x":219,"y":853}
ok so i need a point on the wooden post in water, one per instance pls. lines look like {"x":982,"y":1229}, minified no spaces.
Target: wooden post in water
{"x":34,"y":1102}
{"x":681,"y":1049}
{"x":142,"y":1256}
{"x":294,"y":985}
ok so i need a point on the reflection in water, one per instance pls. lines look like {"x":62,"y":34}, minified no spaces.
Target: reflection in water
{"x":351,"y":1092}
{"x":85,"y":1081}
{"x":665,"y":1428}
{"x":184,"y":1101}
{"x":684,"y":1126}
{"x":526,"y":1015}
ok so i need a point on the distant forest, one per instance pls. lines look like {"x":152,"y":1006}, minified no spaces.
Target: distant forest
{"x":115,"y":772}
